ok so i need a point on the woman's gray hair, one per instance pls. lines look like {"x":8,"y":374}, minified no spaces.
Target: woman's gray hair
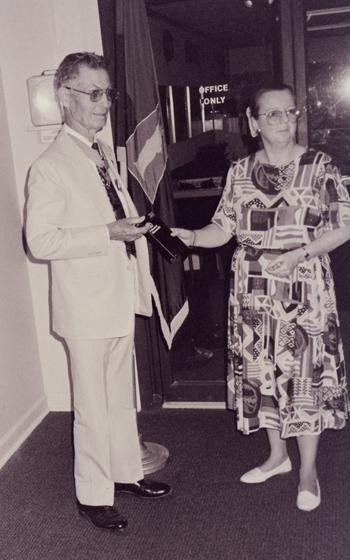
{"x":265,"y":87}
{"x":70,"y":65}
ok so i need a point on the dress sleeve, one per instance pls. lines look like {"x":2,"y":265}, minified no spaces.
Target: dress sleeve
{"x":225,"y":215}
{"x":335,"y":198}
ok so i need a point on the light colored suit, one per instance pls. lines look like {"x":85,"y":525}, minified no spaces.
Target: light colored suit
{"x":67,"y":213}
{"x":96,"y":289}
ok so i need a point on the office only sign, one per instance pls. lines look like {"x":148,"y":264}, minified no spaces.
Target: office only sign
{"x":213,"y":94}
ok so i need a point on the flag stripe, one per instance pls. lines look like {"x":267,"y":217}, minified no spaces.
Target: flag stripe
{"x":146,"y":154}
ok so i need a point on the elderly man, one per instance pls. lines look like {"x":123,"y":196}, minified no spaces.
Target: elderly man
{"x":81,"y":219}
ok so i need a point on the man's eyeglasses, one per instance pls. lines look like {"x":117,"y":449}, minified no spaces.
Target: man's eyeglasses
{"x":275,"y":116}
{"x":96,"y":94}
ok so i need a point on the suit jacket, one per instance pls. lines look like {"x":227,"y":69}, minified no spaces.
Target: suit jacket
{"x":95,"y":287}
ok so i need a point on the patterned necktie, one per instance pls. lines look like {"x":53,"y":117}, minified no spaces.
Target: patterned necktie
{"x":113,"y":198}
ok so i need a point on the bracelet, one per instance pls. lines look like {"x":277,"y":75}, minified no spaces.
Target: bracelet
{"x":306,"y":253}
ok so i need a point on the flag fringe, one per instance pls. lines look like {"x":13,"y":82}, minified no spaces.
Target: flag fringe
{"x":169,"y":331}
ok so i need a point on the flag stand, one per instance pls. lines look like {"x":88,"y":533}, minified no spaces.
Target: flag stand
{"x":154,"y":456}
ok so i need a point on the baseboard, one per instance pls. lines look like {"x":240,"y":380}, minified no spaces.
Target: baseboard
{"x":211,"y":405}
{"x":24,"y":426}
{"x":60,"y":401}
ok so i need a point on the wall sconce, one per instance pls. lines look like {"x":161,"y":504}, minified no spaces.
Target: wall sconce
{"x":43,"y":104}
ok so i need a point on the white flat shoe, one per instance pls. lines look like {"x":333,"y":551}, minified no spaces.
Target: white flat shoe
{"x":257,"y":475}
{"x":307,"y":501}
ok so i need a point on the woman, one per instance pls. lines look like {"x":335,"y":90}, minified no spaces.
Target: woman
{"x":288,"y":208}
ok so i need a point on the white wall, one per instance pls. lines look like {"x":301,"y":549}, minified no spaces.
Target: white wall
{"x":34,"y":36}
{"x":22,"y":398}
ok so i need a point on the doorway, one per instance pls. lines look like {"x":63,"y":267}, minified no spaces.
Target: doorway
{"x":207,"y":56}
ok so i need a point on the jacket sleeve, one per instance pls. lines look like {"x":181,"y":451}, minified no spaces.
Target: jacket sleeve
{"x":49,"y":237}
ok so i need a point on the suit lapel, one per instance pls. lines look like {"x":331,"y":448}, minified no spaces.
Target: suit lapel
{"x":128,"y":205}
{"x":93,"y":185}
{"x":84,"y":177}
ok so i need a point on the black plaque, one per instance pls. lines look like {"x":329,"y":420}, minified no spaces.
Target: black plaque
{"x":160,"y":236}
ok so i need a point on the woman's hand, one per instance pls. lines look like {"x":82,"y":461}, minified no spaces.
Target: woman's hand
{"x":186,"y":235}
{"x":284,"y":265}
{"x":209,"y":236}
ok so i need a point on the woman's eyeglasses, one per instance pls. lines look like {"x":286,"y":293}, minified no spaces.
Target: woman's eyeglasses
{"x":96,"y":94}
{"x":275,"y":116}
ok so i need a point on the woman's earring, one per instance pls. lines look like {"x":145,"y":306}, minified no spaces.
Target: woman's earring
{"x":254,"y":130}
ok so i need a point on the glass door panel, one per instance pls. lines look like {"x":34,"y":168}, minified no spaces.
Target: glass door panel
{"x":327,"y":70}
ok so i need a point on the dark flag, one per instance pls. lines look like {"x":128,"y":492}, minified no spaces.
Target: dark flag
{"x":139,"y":137}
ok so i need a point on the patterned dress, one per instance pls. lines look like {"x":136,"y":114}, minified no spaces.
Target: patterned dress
{"x":285,"y":356}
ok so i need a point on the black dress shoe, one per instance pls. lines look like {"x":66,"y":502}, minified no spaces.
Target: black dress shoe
{"x":144,"y":488}
{"x":103,"y":517}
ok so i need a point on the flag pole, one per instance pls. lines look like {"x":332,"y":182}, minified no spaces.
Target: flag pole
{"x":172,"y":115}
{"x":188,"y":111}
{"x":138,"y":127}
{"x":154,"y":456}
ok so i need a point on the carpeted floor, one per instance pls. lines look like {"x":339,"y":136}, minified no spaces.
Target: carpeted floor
{"x":210,"y":515}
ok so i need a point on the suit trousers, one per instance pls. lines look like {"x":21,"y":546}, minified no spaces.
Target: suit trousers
{"x":106,"y":442}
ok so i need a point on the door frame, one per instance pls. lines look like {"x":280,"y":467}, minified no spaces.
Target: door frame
{"x":293,"y":29}
{"x":157,"y":385}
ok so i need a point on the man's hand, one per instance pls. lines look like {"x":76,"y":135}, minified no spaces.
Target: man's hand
{"x":127,"y":230}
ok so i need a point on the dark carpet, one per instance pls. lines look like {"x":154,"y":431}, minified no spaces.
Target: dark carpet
{"x":210,"y":515}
